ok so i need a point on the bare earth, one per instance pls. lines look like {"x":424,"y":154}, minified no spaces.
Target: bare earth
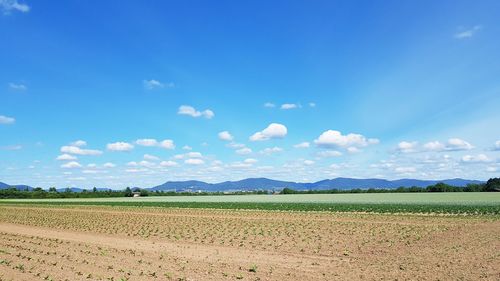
{"x":112,"y":243}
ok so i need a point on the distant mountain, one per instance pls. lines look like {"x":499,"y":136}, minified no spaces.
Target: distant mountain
{"x":269,"y":184}
{"x":18,"y":187}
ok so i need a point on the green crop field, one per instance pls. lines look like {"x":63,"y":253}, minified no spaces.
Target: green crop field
{"x":458,"y":203}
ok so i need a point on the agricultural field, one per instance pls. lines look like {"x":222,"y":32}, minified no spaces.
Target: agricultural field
{"x":52,"y":241}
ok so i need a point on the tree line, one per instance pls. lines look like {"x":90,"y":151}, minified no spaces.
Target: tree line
{"x":492,"y":184}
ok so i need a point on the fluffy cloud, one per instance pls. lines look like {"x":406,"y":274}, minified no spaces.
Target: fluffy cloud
{"x":453,"y":144}
{"x":407,"y":147}
{"x":109,"y":165}
{"x":66,"y":157}
{"x":150,"y":157}
{"x":308,"y":162}
{"x":480,"y":158}
{"x":17,"y":87}
{"x":187,"y":147}
{"x":497,"y":145}
{"x":329,"y":153}
{"x":286,"y":106}
{"x":193,"y":155}
{"x":119,"y":146}
{"x":147,"y":142}
{"x":225,"y":136}
{"x":405,"y":170}
{"x":79,"y":143}
{"x":191,"y":111}
{"x":7,"y":6}
{"x":250,"y":161}
{"x":302,"y":145}
{"x":155,"y":84}
{"x":468,"y":33}
{"x":244,"y":151}
{"x":71,"y":165}
{"x":271,"y":150}
{"x":194,"y":161}
{"x":71,"y":149}
{"x":168,"y":163}
{"x":273,"y":131}
{"x":167,"y":144}
{"x":269,"y":105}
{"x":6,"y":120}
{"x":333,"y":138}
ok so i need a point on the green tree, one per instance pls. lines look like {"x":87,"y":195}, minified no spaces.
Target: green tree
{"x":128,"y":192}
{"x":492,"y":185}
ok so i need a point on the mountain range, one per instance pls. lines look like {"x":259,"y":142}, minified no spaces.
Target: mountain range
{"x":269,"y":184}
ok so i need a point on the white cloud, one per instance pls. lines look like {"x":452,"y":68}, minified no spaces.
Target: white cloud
{"x":66,"y":157}
{"x":6,"y":120}
{"x":273,"y":131}
{"x":302,"y":145}
{"x":458,"y":144}
{"x":167,"y":144}
{"x":71,"y":149}
{"x":271,"y":150}
{"x":147,"y":142}
{"x":147,"y":164}
{"x":235,"y":145}
{"x":244,"y":151}
{"x":497,"y":145}
{"x":136,"y":170}
{"x":225,"y":136}
{"x":71,"y":165}
{"x":250,"y":161}
{"x":187,"y":147}
{"x":312,"y":104}
{"x":329,"y":153}
{"x":191,"y":111}
{"x":79,"y":143}
{"x":17,"y":87}
{"x":453,"y":144}
{"x":13,"y":5}
{"x":269,"y":105}
{"x":155,"y":84}
{"x":308,"y":162}
{"x":286,"y":106}
{"x":119,"y":146}
{"x":491,"y":169}
{"x":132,"y":164}
{"x":168,"y":163}
{"x":193,"y":155}
{"x":333,"y":138}
{"x":193,"y":161}
{"x":480,"y":158}
{"x":405,"y":170}
{"x":468,"y":33}
{"x":407,"y":147}
{"x":109,"y":165}
{"x":151,"y":157}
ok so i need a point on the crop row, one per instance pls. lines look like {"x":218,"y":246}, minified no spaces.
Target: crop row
{"x":325,"y":207}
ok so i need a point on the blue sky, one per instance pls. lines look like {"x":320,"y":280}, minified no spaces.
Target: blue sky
{"x":127,"y":93}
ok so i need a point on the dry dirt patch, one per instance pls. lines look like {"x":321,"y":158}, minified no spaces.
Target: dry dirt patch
{"x":106,"y":243}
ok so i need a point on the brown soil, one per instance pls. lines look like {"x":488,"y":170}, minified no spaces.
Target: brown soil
{"x":110,"y":243}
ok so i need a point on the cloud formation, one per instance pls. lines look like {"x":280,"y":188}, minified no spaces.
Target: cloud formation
{"x":191,"y":111}
{"x":332,"y":138}
{"x":273,"y":131}
{"x":119,"y":146}
{"x":155,"y":84}
{"x":225,"y":136}
{"x":7,"y":120}
{"x":468,"y":33}
{"x":7,"y":6}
